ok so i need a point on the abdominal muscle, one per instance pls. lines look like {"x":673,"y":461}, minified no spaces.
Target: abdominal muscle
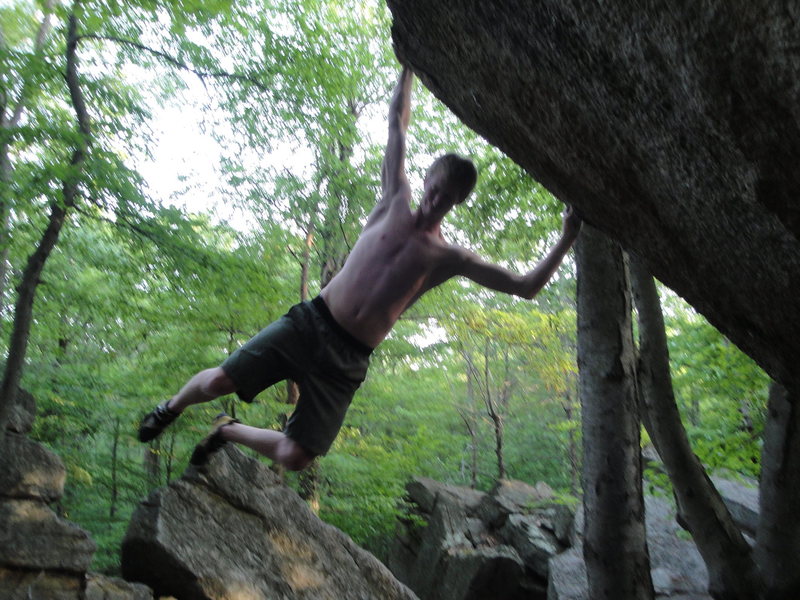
{"x":386,"y":272}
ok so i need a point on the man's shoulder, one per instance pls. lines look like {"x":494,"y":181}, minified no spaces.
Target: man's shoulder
{"x":399,"y":194}
{"x":393,"y":205}
{"x":451,"y":256}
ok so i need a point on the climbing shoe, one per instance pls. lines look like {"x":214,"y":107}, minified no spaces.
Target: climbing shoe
{"x":155,"y":422}
{"x":212,"y":442}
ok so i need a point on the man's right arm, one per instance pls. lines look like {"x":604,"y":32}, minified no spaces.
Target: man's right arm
{"x":529,"y":284}
{"x":393,"y":176}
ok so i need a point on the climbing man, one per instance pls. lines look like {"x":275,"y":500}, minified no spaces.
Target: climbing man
{"x":324,"y":344}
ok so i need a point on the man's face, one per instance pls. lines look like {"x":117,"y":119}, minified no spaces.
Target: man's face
{"x":438,"y":197}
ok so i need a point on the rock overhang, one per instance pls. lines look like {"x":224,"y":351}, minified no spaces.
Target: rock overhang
{"x":674,"y":128}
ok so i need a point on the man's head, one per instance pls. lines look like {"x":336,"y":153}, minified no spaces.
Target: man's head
{"x":451,"y":175}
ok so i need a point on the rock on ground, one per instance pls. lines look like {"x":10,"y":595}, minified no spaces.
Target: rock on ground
{"x":42,"y":556}
{"x":235,"y":531}
{"x":473,"y":545}
{"x":676,"y":567}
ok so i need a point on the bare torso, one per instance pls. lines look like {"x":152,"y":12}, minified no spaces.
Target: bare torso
{"x":401,"y":253}
{"x":395,"y":260}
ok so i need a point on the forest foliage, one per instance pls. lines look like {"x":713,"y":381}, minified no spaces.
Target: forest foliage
{"x":143,"y":290}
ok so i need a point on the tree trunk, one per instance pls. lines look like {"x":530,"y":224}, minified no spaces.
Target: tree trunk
{"x":5,"y":211}
{"x":308,"y":480}
{"x":572,"y":450}
{"x":468,"y":416}
{"x":10,"y":118}
{"x":778,"y":536}
{"x":494,"y":415}
{"x":112,"y":506}
{"x":152,"y":463}
{"x":171,"y":437}
{"x":473,"y":449}
{"x":292,"y":389}
{"x":23,"y":309}
{"x":497,"y":424}
{"x":615,"y":545}
{"x":731,"y":569}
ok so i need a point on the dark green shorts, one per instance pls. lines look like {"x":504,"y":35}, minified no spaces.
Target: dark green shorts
{"x":309,"y":347}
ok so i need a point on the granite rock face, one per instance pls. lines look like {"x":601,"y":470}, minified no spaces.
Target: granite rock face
{"x":22,"y":413}
{"x":42,"y":556}
{"x":476,"y":545}
{"x":673,"y":127}
{"x":233,"y":530}
{"x":517,"y":541}
{"x":28,"y":470}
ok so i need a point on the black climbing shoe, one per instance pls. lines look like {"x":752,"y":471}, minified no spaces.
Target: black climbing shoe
{"x":212,"y":442}
{"x":155,"y":422}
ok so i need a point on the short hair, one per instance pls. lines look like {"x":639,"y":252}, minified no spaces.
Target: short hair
{"x":457,"y":171}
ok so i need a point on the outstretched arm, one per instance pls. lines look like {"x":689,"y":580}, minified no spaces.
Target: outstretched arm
{"x":393,"y":176}
{"x":528,"y":285}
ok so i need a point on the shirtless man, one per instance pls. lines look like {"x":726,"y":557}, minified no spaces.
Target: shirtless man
{"x":324,"y":345}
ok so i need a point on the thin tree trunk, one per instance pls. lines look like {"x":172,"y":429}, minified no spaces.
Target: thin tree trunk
{"x":5,"y":213}
{"x":152,"y":463}
{"x":170,"y":456}
{"x":473,"y":449}
{"x":469,"y":420}
{"x":731,"y":568}
{"x":308,"y":478}
{"x":9,"y":119}
{"x":292,"y":389}
{"x":112,"y":509}
{"x":497,"y":423}
{"x":309,"y":486}
{"x":23,"y":310}
{"x":574,"y":464}
{"x":615,"y":544}
{"x":778,"y":536}
{"x":495,"y":416}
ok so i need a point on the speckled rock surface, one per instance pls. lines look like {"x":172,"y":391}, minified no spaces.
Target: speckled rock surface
{"x":673,"y":127}
{"x":235,"y":531}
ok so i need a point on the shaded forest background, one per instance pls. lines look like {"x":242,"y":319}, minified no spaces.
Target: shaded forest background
{"x":140,"y":291}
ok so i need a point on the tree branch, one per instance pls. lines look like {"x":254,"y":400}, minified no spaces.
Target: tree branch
{"x":38,"y":45}
{"x":176,"y":62}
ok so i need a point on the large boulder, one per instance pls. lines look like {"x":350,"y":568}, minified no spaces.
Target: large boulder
{"x":741,"y":498}
{"x":22,"y":584}
{"x":673,"y":127}
{"x":459,"y":543}
{"x":42,"y":556}
{"x":29,"y":470}
{"x":20,"y":420}
{"x":100,"y":587}
{"x":233,"y":530}
{"x":34,"y":537}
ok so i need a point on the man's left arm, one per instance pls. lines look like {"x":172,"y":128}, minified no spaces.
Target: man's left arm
{"x":529,"y":284}
{"x":394,"y":183}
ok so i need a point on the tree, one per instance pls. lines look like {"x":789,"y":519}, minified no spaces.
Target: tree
{"x":93,"y":174}
{"x":23,"y":309}
{"x":615,"y":545}
{"x":13,"y":103}
{"x":778,"y":536}
{"x":732,"y":572}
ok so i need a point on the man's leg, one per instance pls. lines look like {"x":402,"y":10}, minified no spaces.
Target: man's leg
{"x":275,"y":445}
{"x":205,"y":386}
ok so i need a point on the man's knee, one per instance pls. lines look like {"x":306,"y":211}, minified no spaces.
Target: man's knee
{"x":293,"y":456}
{"x":218,"y":383}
